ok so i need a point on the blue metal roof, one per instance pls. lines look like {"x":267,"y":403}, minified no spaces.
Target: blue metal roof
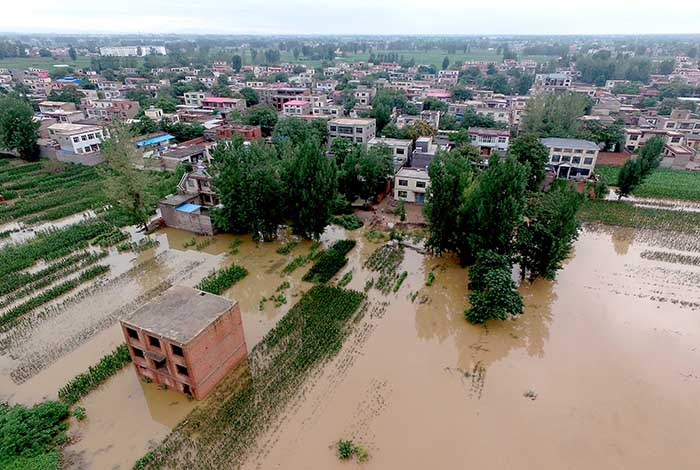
{"x":154,"y":140}
{"x":187,"y":207}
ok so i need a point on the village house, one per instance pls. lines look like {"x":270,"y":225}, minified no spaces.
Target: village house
{"x":401,"y":149}
{"x":186,"y":339}
{"x":223,"y":104}
{"x":357,"y":130}
{"x":571,"y":158}
{"x":296,"y":108}
{"x":410,"y":185}
{"x":489,"y":140}
{"x":227,"y":131}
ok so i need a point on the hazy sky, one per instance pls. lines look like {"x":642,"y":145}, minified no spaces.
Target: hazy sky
{"x":353,"y":16}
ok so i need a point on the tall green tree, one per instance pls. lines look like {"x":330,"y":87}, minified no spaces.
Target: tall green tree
{"x":493,"y":293}
{"x":251,"y":189}
{"x":493,"y":209}
{"x":126,"y":188}
{"x":311,"y":179}
{"x":445,"y":63}
{"x":236,"y":63}
{"x":555,"y":114}
{"x":263,"y":116}
{"x":528,"y":149}
{"x":548,"y":233}
{"x":250,"y":96}
{"x":450,"y":176}
{"x":18,"y":130}
{"x":364,"y":173}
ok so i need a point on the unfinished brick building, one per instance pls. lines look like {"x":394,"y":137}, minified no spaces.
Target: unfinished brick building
{"x":186,"y":339}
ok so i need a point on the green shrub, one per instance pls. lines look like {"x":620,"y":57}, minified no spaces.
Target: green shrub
{"x":29,"y":436}
{"x":346,"y":449}
{"x":348,"y":221}
{"x":431,"y":278}
{"x":219,"y":281}
{"x":301,"y":260}
{"x":399,"y":281}
{"x":330,"y":262}
{"x":79,"y":413}
{"x":287,"y":247}
{"x":345,"y":280}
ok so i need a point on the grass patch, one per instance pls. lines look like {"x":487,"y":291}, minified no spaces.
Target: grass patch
{"x":225,"y":425}
{"x":287,"y":248}
{"x":330,"y":262}
{"x":608,"y":173}
{"x":218,"y":282}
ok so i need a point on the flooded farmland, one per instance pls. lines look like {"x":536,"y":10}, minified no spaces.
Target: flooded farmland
{"x":600,"y":372}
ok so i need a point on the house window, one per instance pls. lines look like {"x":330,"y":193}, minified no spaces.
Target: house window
{"x":137,"y":352}
{"x":91,"y":136}
{"x":576,"y":160}
{"x":177,"y":350}
{"x":161,"y":364}
{"x":399,"y":151}
{"x":182,"y":370}
{"x":556,"y":158}
{"x":675,"y":140}
{"x":333,"y":128}
{"x":132,"y":333}
{"x":420,"y":184}
{"x":588,"y":161}
{"x":358,"y":140}
{"x":83,"y":137}
{"x":155,"y":342}
{"x":403,"y":194}
{"x":403,"y":182}
{"x":358,"y":130}
{"x":565,"y":158}
{"x":76,"y":139}
{"x":634,"y":137}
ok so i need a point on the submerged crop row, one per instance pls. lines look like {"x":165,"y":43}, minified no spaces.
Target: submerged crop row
{"x":52,"y":293}
{"x":49,"y":245}
{"x":219,"y":281}
{"x":330,"y":262}
{"x":219,"y":431}
{"x":84,"y":383}
{"x":627,"y":215}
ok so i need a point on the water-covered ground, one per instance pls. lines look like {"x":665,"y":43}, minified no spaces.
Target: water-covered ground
{"x":606,"y":355}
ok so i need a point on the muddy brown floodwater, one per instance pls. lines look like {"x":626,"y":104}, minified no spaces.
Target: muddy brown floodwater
{"x":602,"y":371}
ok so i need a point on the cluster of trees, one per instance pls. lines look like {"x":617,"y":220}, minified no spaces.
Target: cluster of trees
{"x":498,"y":216}
{"x":636,"y":169}
{"x":602,"y":66}
{"x":262,"y":187}
{"x":18,"y":130}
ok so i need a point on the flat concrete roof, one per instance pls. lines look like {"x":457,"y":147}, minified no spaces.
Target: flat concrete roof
{"x":180,"y":313}
{"x":569,"y":143}
{"x":351,"y":121}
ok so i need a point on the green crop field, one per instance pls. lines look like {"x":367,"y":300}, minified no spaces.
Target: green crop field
{"x":663,"y":183}
{"x":42,"y":62}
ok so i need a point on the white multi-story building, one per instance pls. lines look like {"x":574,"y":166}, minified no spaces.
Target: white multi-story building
{"x":77,"y":138}
{"x":400,"y":149}
{"x":358,"y":130}
{"x":571,"y":158}
{"x":296,"y":108}
{"x":411,"y":184}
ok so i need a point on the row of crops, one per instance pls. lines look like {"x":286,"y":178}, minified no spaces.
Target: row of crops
{"x":662,"y":183}
{"x":330,"y":262}
{"x":627,"y":215}
{"x":221,"y":429}
{"x":219,"y":281}
{"x":47,"y":190}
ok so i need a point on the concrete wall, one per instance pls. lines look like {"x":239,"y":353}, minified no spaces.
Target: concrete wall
{"x":192,"y":222}
{"x":89,"y":159}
